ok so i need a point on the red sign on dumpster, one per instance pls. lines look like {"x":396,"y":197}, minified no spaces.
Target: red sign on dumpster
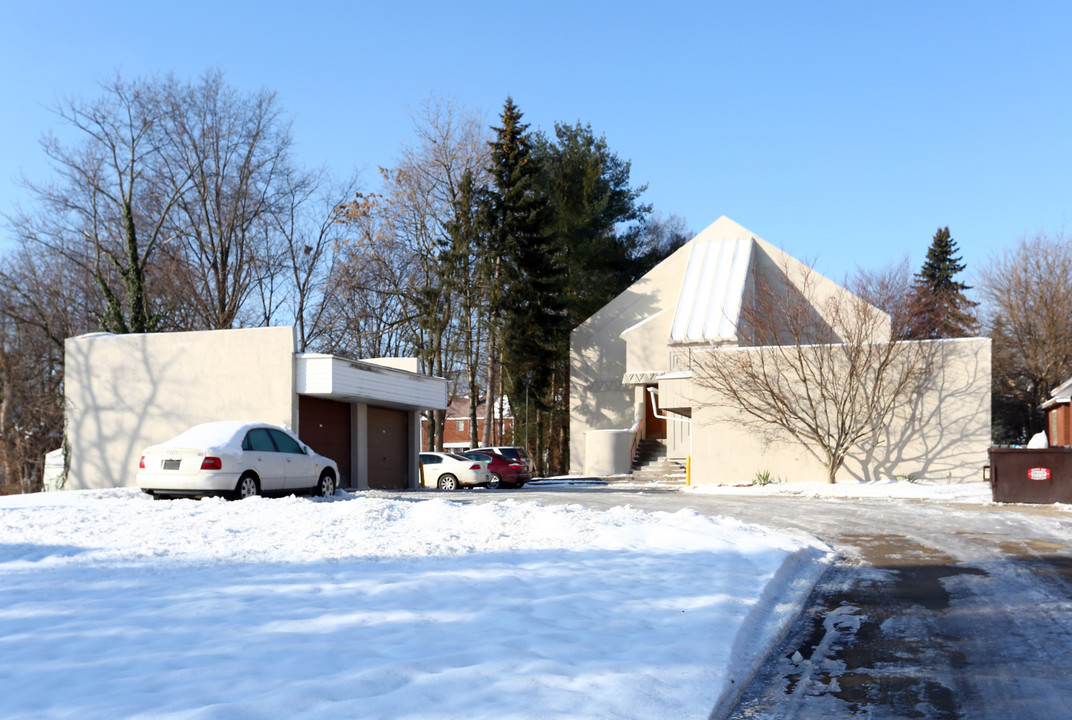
{"x":1038,"y":474}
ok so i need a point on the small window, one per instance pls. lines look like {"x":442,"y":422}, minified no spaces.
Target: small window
{"x":258,"y":440}
{"x":460,"y":426}
{"x":286,"y":443}
{"x":430,"y":459}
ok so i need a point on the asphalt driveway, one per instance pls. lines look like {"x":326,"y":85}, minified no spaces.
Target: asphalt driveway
{"x":933,"y":610}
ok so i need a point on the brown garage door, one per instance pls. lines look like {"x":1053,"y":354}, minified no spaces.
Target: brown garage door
{"x":388,"y":448}
{"x":325,"y":427}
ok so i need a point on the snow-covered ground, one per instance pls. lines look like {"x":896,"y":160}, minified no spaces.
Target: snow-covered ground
{"x":974,"y":492}
{"x":358,"y":606}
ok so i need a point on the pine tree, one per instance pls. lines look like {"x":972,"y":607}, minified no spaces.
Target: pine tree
{"x":595,"y":217}
{"x":938,"y":306}
{"x":523,"y":264}
{"x":565,"y":234}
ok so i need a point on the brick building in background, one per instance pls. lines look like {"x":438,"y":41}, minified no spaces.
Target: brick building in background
{"x":456,"y":434}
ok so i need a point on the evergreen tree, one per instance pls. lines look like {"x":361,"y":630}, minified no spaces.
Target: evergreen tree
{"x":523,"y":264}
{"x":565,"y":233}
{"x":595,"y":216}
{"x":938,"y":306}
{"x":600,"y":229}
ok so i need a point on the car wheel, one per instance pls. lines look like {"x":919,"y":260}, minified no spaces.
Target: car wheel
{"x":496,"y":481}
{"x":326,"y":486}
{"x":448,"y":482}
{"x":247,"y":487}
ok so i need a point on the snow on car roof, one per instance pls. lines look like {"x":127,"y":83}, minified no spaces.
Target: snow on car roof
{"x":221,"y":434}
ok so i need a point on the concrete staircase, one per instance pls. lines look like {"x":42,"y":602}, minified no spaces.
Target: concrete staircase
{"x":650,"y":465}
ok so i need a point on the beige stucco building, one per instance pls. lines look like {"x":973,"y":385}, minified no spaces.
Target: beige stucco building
{"x":126,"y":392}
{"x":632,"y":377}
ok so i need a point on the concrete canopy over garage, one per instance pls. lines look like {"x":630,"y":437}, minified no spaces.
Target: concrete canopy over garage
{"x":126,"y":392}
{"x":385,"y":397}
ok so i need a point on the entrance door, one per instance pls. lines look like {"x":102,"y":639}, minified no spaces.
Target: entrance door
{"x":654,"y":428}
{"x":388,"y":448}
{"x":325,"y":427}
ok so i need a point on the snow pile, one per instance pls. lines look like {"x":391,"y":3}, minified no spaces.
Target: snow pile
{"x":115,"y":606}
{"x":974,"y":492}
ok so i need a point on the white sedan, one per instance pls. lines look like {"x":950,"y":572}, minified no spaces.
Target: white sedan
{"x":448,"y":471}
{"x":237,"y":460}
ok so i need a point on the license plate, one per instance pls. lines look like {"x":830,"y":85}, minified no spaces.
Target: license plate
{"x":172,"y":464}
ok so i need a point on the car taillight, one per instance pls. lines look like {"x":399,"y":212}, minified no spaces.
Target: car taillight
{"x":476,"y":466}
{"x":515,"y":466}
{"x":211,"y":463}
{"x":141,"y":463}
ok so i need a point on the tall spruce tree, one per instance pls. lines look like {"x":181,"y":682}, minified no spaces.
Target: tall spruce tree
{"x":523,"y":263}
{"x":939,"y":308}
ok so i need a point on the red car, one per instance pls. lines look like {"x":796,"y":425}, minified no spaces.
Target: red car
{"x":504,"y":471}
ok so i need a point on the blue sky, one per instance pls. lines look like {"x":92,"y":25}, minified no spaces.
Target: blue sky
{"x":844,"y":132}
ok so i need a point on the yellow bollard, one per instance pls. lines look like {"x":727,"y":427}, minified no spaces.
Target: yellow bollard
{"x":688,"y":471}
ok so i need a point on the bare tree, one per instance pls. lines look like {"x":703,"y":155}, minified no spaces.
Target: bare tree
{"x":229,"y":153}
{"x":301,"y":284}
{"x":371,"y":309}
{"x":1026,"y":292}
{"x":407,"y":244}
{"x":43,"y":300}
{"x":890,"y":290}
{"x":105,"y":210}
{"x":822,"y":368}
{"x":435,"y":187}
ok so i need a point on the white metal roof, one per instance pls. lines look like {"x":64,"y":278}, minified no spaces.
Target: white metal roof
{"x":709,"y":305}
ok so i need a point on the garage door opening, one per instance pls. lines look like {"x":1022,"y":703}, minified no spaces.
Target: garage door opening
{"x":324,"y":425}
{"x":388,"y":448}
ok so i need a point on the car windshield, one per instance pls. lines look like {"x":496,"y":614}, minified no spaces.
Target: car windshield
{"x":478,"y":456}
{"x":458,"y":457}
